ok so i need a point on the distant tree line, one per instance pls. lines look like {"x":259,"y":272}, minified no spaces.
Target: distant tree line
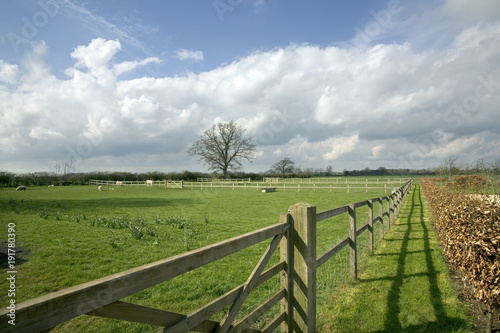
{"x":9,"y":179}
{"x":43,"y":178}
{"x":452,"y":166}
{"x":285,"y":168}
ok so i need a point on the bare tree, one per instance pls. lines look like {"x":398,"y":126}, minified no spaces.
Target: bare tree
{"x":449,"y":166}
{"x":68,"y":166}
{"x":64,"y":167}
{"x":223,"y":147}
{"x":495,"y":166}
{"x":284,"y":166}
{"x":57,"y":167}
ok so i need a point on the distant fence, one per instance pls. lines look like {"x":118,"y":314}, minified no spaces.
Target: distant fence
{"x":299,"y":186}
{"x":295,"y":234}
{"x":280,"y":184}
{"x":143,"y":183}
{"x":336,"y":180}
{"x":216,"y":180}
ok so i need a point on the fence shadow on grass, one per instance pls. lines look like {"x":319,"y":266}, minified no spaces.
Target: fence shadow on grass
{"x":440,"y":322}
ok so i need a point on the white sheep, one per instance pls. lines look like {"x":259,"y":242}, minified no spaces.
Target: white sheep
{"x":99,"y":187}
{"x":149,"y":183}
{"x":119,"y":184}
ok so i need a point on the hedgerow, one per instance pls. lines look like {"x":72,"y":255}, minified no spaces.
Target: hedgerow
{"x":469,"y":230}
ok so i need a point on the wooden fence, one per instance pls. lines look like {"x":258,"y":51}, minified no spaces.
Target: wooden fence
{"x":295,"y":234}
{"x":281,"y":184}
{"x":338,"y":180}
{"x":258,"y":186}
{"x":142,"y":183}
{"x":216,"y":180}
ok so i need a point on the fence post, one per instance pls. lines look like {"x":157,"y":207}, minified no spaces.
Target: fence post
{"x":353,"y":257}
{"x":370,"y":225}
{"x":391,"y":209}
{"x":400,"y":201}
{"x":304,"y":259}
{"x":388,"y":213}
{"x":286,"y":277}
{"x":381,"y":216}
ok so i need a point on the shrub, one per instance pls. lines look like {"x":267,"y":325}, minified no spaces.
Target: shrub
{"x":474,"y":183}
{"x":469,"y":230}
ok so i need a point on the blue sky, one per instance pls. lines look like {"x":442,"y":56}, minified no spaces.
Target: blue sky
{"x":130,"y":85}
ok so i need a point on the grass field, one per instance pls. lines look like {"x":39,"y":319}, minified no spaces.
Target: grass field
{"x":77,"y":234}
{"x":413,"y":291}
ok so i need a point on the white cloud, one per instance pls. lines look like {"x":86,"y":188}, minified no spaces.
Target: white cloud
{"x":377,"y":151}
{"x":329,"y":149}
{"x":302,"y":101}
{"x":339,"y":146}
{"x":128,"y":66}
{"x":96,"y":56}
{"x":8,"y":73}
{"x":456,"y":147}
{"x":190,"y":55}
{"x":42,"y":133}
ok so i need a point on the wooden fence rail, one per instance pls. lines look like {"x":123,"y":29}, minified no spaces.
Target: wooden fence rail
{"x":258,"y":186}
{"x":295,"y":235}
{"x":282,"y":184}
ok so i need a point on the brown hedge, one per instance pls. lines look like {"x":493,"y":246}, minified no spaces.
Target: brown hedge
{"x":474,"y":183}
{"x":469,"y":231}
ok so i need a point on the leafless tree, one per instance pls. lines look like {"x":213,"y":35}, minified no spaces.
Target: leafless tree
{"x":64,"y":167}
{"x":449,"y":166}
{"x":223,"y":147}
{"x":284,"y":166}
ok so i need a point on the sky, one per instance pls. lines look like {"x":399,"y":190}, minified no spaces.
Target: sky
{"x":122,"y":85}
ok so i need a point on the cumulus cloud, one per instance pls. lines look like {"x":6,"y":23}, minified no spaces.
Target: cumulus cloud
{"x":190,"y":55}
{"x":455,"y":147}
{"x":339,"y":146}
{"x":318,"y":105}
{"x":377,"y":151}
{"x":128,"y":66}
{"x":8,"y":73}
{"x":42,"y":133}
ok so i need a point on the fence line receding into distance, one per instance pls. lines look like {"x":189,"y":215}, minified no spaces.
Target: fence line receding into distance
{"x":281,"y":184}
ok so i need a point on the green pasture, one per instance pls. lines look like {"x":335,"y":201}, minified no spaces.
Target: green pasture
{"x":76,"y":234}
{"x":404,"y":287}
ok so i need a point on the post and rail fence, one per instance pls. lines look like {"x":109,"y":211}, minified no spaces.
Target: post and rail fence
{"x":295,"y":235}
{"x":282,"y":184}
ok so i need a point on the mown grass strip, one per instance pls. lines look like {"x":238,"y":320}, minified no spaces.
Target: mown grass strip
{"x":404,"y":287}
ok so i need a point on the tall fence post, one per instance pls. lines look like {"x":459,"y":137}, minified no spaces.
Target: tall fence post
{"x":286,"y":277}
{"x":304,"y":259}
{"x":388,"y":199}
{"x":400,"y":201}
{"x":353,"y":256}
{"x":381,"y":217}
{"x":370,"y":226}
{"x":391,"y":210}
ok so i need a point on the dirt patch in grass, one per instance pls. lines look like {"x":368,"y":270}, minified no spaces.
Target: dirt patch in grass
{"x":21,"y":255}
